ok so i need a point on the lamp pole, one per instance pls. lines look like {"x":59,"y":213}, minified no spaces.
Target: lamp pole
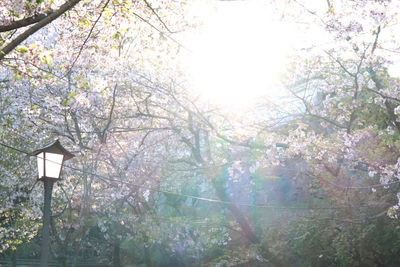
{"x":45,"y":248}
{"x":50,"y":160}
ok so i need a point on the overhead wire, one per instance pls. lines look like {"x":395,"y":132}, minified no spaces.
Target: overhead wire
{"x":218,"y":201}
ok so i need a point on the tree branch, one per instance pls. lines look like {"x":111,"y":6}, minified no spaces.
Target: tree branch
{"x":103,"y":134}
{"x":88,"y":36}
{"x":340,"y":64}
{"x":48,"y":19}
{"x":24,"y":22}
{"x":158,"y":17}
{"x":376,"y":39}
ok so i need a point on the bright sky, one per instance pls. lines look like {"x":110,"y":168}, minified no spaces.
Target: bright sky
{"x":239,"y":53}
{"x":242,"y":49}
{"x":231,"y":59}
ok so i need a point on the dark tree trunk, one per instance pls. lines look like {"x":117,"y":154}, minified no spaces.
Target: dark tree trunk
{"x":116,"y":254}
{"x":14,"y":259}
{"x":245,"y":226}
{"x":239,"y":216}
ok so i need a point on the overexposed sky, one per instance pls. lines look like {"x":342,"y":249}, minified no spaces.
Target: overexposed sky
{"x":240,"y":51}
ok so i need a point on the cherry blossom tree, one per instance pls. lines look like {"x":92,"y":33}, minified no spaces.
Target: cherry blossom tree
{"x":180,"y":181}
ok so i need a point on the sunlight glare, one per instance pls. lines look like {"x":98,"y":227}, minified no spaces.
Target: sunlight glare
{"x":238,"y":54}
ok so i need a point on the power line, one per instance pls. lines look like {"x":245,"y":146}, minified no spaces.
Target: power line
{"x":107,"y":179}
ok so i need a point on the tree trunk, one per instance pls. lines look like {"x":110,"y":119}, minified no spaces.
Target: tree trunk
{"x":116,"y":254}
{"x":14,"y":259}
{"x":245,"y":226}
{"x":239,"y":216}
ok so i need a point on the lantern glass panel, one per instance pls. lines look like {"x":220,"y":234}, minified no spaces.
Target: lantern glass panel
{"x":53,"y":164}
{"x":40,"y":159}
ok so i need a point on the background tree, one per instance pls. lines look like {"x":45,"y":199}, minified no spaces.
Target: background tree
{"x":161,"y":178}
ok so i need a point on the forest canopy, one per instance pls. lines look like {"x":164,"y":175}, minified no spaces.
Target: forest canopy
{"x":205,"y":133}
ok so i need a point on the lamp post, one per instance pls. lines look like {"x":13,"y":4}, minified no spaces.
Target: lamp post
{"x":50,"y":160}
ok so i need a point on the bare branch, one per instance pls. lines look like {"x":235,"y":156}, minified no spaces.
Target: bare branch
{"x":340,"y":64}
{"x":158,"y":17}
{"x":88,"y":36}
{"x":161,"y":32}
{"x":110,"y":115}
{"x":376,"y":39}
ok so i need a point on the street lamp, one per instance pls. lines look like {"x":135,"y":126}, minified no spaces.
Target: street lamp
{"x":50,"y":160}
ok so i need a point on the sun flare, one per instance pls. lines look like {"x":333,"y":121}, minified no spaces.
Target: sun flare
{"x":238,"y":54}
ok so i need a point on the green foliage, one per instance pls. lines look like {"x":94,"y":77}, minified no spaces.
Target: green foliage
{"x":332,"y":242}
{"x":22,"y":49}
